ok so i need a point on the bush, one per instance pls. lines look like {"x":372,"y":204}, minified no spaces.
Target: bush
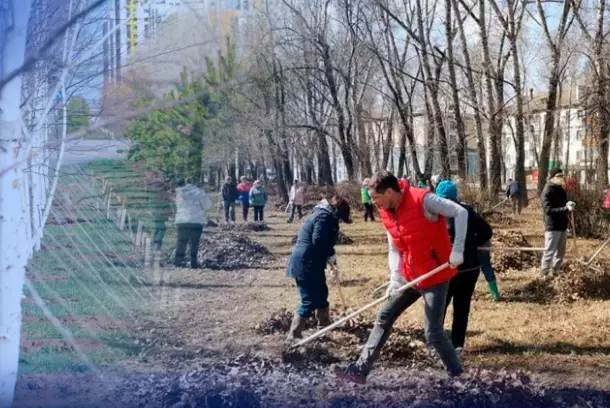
{"x":478,"y":199}
{"x":592,"y":221}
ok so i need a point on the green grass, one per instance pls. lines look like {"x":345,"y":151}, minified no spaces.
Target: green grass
{"x":91,"y":258}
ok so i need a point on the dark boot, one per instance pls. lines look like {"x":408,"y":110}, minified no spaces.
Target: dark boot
{"x":323,"y":318}
{"x":353,"y":372}
{"x":296,"y":328}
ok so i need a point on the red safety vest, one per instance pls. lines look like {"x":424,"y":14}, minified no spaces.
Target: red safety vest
{"x":424,"y":245}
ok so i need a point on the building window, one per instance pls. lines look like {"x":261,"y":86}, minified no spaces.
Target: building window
{"x":246,"y":5}
{"x":580,"y":113}
{"x":578,"y":135}
{"x":579,"y":155}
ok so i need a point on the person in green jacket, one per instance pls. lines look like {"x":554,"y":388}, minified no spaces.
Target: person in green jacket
{"x":366,"y":201}
{"x":258,"y":200}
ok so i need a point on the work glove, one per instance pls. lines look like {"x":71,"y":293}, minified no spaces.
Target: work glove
{"x":393,"y":287}
{"x":571,"y":205}
{"x":334,"y":273}
{"x":456,"y":259}
{"x":332,"y":260}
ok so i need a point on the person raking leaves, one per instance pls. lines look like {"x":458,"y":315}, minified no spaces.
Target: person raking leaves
{"x":461,"y":287}
{"x":418,"y":243}
{"x":314,"y":249}
{"x":556,"y":208}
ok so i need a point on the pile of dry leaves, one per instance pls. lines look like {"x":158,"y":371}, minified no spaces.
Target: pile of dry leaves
{"x":230,"y":251}
{"x":504,"y":261}
{"x":575,"y":282}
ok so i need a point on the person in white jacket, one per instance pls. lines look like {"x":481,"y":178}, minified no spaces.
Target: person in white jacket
{"x":192,"y":203}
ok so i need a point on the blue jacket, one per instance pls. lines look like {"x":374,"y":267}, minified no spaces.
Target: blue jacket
{"x":315,"y":243}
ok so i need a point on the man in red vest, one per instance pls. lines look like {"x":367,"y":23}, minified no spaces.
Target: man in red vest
{"x":418,"y":242}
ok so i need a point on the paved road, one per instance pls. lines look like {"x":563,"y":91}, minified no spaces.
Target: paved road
{"x":82,"y":151}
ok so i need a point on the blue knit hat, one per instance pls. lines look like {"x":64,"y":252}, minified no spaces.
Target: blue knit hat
{"x":447,"y":189}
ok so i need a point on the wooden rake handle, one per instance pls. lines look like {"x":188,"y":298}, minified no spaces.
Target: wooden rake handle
{"x":339,"y":322}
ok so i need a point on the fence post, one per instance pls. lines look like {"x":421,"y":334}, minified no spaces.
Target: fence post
{"x":108,"y":206}
{"x":122,"y":219}
{"x":139,"y":235}
{"x":147,"y":251}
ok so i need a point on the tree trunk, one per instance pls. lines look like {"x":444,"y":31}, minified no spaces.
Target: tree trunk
{"x":520,"y":165}
{"x":388,"y":142}
{"x":346,"y":142}
{"x":494,"y":129}
{"x":461,"y":146}
{"x":495,"y":139}
{"x":549,"y":125}
{"x":14,"y":244}
{"x":433,"y":94}
{"x":568,"y":135}
{"x":402,"y":157}
{"x":481,"y":151}
{"x":602,"y":137}
{"x":325,"y":172}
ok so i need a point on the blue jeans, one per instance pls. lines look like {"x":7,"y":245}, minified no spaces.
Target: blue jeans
{"x":485,"y":260}
{"x":313,"y":292}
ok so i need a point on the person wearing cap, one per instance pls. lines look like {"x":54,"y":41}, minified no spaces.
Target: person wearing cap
{"x":366,"y":201}
{"x":461,"y":287}
{"x":418,"y":243}
{"x":556,"y":207}
{"x":314,"y":249}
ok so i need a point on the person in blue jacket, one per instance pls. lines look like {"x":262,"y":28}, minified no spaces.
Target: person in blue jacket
{"x":314,"y":249}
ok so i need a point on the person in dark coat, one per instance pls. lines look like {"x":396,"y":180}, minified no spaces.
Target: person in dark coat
{"x":229,"y":196}
{"x":513,"y":191}
{"x":314,"y":249}
{"x":556,"y":208}
{"x":461,"y":287}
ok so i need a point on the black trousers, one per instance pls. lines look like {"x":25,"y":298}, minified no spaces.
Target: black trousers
{"x":188,"y":233}
{"x":245,"y":206}
{"x":460,"y":292}
{"x":299,"y":208}
{"x":368,"y":212}
{"x":259,"y":213}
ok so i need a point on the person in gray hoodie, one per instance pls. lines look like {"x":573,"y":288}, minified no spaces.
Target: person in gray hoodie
{"x":258,"y":200}
{"x":192,"y":203}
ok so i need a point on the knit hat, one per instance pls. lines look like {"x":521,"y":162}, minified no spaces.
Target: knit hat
{"x":555,"y":171}
{"x":447,"y":189}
